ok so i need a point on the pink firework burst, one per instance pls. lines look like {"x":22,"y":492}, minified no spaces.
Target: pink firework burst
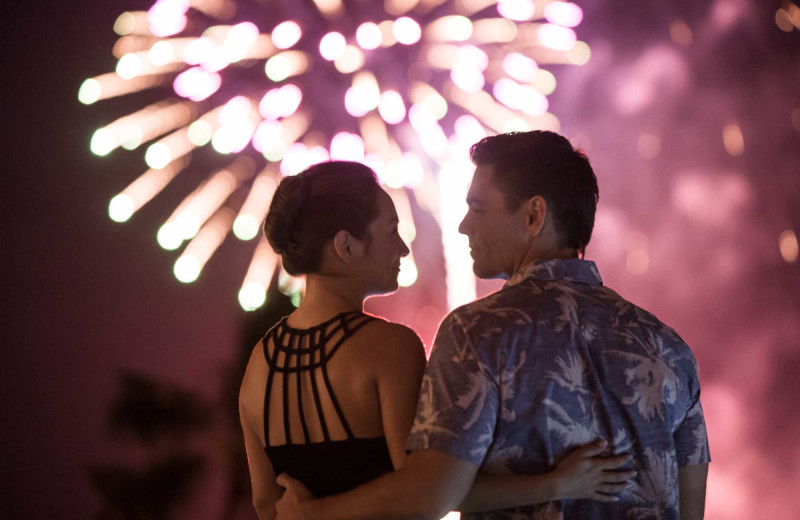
{"x":405,"y":86}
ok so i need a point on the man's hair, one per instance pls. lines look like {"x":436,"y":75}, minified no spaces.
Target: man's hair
{"x":309,"y":208}
{"x":544,"y":163}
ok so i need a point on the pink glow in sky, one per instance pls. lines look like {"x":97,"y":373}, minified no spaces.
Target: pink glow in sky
{"x":708,"y":221}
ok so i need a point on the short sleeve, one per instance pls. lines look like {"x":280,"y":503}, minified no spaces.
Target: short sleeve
{"x":691,"y":438}
{"x":458,"y":403}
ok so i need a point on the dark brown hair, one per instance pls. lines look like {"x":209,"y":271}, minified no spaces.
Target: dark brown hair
{"x":309,"y":208}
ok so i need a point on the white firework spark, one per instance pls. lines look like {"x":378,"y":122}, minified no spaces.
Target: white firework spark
{"x":404,"y":86}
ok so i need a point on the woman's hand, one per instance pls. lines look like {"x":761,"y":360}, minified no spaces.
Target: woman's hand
{"x":585,"y":474}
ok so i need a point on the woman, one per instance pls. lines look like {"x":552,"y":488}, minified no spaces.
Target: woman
{"x":329,"y":394}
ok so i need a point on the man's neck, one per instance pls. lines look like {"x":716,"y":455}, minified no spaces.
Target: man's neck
{"x":532,"y":255}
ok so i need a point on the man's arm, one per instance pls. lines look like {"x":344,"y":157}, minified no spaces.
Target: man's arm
{"x":692,"y":489}
{"x":691,"y":449}
{"x":427,"y":487}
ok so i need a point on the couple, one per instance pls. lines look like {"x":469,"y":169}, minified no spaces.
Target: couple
{"x":552,"y":398}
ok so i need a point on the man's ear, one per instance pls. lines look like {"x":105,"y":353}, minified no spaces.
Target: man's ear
{"x":536,"y":215}
{"x":346,"y":246}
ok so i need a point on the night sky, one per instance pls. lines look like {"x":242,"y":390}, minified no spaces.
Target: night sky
{"x":686,"y":228}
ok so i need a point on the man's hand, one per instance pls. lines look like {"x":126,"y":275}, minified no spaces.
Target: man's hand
{"x":293,"y":504}
{"x":583,"y":474}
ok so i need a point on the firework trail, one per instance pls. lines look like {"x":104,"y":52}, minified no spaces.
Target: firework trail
{"x":405,"y":86}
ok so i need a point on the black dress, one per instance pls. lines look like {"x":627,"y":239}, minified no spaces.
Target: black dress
{"x":330,"y":466}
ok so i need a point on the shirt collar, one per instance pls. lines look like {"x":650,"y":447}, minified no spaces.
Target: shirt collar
{"x":570,"y":270}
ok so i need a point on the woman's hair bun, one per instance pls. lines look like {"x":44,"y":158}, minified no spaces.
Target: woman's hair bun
{"x":284,"y":213}
{"x":309,"y":208}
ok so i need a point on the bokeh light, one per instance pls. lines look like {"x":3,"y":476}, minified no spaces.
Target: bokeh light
{"x":90,"y":91}
{"x":286,"y":34}
{"x":406,"y":30}
{"x":332,"y":45}
{"x":324,"y":93}
{"x":121,"y":208}
{"x":680,"y":33}
{"x":563,"y":13}
{"x":369,"y":36}
{"x":649,"y":146}
{"x":733,"y":139}
{"x":788,"y":246}
{"x":519,"y":10}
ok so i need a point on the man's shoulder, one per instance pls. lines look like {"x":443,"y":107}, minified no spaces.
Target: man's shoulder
{"x":498,"y":311}
{"x":642,"y":327}
{"x":632,"y":313}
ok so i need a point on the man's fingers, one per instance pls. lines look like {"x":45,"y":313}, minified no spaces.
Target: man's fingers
{"x":285,"y":481}
{"x":593,"y":448}
{"x":294,"y":486}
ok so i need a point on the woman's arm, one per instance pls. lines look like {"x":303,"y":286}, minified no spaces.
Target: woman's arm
{"x":582,"y":474}
{"x":262,"y":476}
{"x":399,"y":375}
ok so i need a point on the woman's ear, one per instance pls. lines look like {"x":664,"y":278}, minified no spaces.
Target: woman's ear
{"x":343,"y":245}
{"x":346,"y":246}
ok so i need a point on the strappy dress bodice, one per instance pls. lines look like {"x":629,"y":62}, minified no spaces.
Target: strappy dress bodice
{"x":298,"y":363}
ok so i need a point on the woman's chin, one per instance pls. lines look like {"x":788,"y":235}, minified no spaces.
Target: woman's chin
{"x":385,"y":290}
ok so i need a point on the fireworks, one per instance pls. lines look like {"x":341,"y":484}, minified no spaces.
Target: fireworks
{"x":404,"y":86}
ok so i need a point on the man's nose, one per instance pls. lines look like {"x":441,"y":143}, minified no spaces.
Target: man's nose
{"x":463,"y":227}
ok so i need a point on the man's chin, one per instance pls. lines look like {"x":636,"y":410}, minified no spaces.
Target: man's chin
{"x":482,"y":273}
{"x":485,"y":273}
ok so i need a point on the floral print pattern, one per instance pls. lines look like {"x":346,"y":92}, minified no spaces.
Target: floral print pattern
{"x":520,"y":378}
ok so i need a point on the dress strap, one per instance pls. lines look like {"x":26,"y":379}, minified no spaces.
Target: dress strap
{"x":315,"y":392}
{"x":271,"y":362}
{"x":313,"y":343}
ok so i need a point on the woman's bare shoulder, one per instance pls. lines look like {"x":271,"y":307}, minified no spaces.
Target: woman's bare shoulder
{"x":393,"y":334}
{"x":387,"y":345}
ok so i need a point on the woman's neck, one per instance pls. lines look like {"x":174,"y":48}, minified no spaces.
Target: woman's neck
{"x":325,"y":297}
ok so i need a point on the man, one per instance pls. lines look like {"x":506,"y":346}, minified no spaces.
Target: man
{"x":518,"y":379}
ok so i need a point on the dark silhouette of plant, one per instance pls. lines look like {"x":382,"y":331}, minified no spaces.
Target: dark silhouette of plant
{"x":167,"y":424}
{"x":151,"y":410}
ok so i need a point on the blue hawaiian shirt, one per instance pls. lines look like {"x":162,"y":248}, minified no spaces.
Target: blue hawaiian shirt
{"x":520,"y":378}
